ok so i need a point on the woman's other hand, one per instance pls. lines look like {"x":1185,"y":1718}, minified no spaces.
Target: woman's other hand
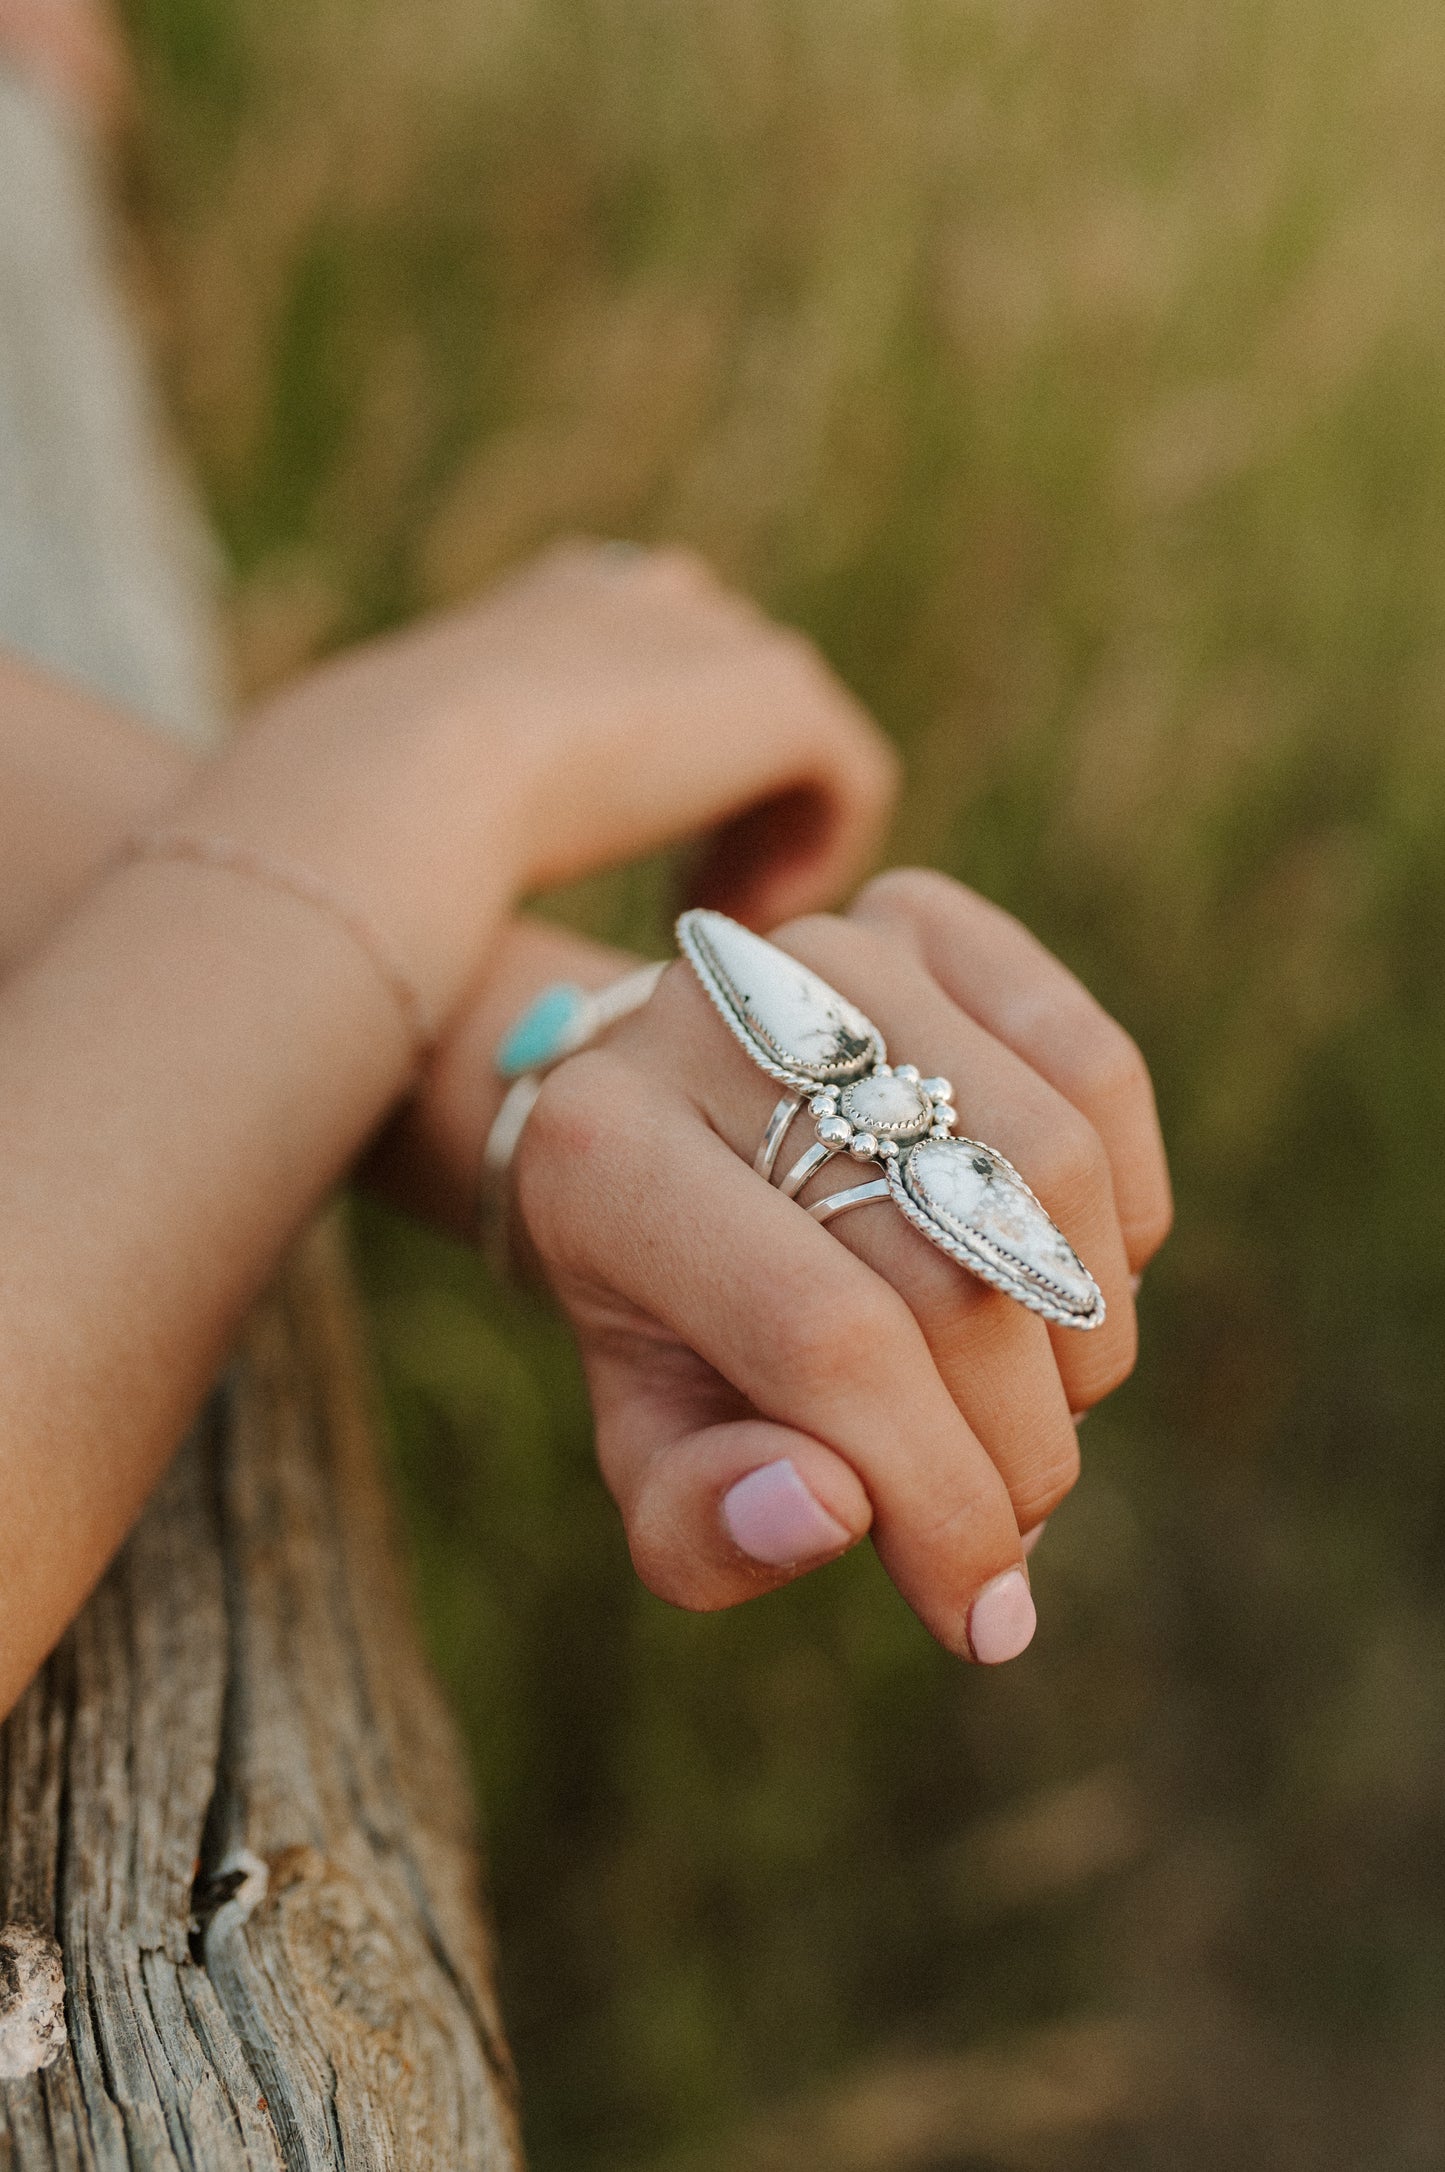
{"x":604,"y":702}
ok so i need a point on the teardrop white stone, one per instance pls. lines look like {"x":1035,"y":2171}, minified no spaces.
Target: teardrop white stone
{"x":990,"y":1220}
{"x":790,"y":1021}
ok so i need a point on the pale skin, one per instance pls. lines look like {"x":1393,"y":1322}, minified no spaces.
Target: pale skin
{"x":189,"y":1061}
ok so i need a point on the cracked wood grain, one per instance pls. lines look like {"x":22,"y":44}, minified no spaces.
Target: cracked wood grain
{"x":231,"y":1811}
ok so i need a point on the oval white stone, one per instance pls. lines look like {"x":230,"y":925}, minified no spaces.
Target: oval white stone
{"x":979,"y":1202}
{"x":794,"y":1022}
{"x":892,"y":1107}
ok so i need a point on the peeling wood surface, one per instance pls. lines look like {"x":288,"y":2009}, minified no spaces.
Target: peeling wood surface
{"x":233,"y":1814}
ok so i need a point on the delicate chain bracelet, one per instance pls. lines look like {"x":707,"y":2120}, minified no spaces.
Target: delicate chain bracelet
{"x":313,"y":889}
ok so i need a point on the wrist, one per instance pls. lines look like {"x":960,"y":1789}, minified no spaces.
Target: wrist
{"x":415,"y":826}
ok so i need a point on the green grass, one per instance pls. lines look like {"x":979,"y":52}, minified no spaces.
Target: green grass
{"x":1074,"y":374}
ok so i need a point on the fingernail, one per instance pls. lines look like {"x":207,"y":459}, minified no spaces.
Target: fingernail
{"x":1002,"y":1621}
{"x":771,"y":1516}
{"x":1031,"y":1538}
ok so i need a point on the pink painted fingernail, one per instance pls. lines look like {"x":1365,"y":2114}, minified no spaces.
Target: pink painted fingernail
{"x":1031,"y":1538}
{"x":1001,"y":1621}
{"x":772,"y":1516}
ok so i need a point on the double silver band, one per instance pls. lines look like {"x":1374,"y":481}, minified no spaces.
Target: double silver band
{"x":807,"y":1165}
{"x":860,"y":1196}
{"x":767,"y":1154}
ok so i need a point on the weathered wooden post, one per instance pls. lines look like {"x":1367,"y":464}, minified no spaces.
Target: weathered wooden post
{"x":238,"y":1919}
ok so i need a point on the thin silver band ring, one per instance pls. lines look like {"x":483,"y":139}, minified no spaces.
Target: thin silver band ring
{"x":775,"y":1134}
{"x":859,"y":1196}
{"x":801,"y":1170}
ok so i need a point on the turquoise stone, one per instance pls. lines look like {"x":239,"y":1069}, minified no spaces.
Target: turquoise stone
{"x":545,"y":1030}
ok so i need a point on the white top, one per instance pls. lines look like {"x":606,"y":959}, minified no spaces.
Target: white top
{"x":106,"y":571}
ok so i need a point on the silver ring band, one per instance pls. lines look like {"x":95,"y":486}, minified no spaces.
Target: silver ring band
{"x":547,"y":1032}
{"x":774,"y":1136}
{"x":859,"y":1196}
{"x":801,"y":1170}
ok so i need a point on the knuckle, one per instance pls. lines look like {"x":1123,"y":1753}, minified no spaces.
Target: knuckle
{"x":665,"y":1561}
{"x":678,"y":1024}
{"x":911,"y":893}
{"x":833,"y":1341}
{"x":673,"y":1003}
{"x":567,"y":1134}
{"x":566,"y":1117}
{"x":963,"y":1523}
{"x":1044,"y":1480}
{"x":1107,"y":1360}
{"x":808,"y":676}
{"x":688,"y":568}
{"x":1144,"y":1234}
{"x":834,"y":946}
{"x":1069,"y":1166}
{"x":1107,"y":1063}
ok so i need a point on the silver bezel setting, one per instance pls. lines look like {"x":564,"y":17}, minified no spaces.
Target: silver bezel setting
{"x":990,"y":1262}
{"x":804,"y":1079}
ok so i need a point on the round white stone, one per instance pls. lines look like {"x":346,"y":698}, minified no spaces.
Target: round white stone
{"x":890,"y":1106}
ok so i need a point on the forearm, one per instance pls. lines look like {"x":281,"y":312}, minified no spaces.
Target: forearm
{"x":166,"y":1127}
{"x":186,"y":1066}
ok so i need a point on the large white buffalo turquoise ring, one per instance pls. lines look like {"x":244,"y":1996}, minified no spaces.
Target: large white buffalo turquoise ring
{"x":960,"y":1194}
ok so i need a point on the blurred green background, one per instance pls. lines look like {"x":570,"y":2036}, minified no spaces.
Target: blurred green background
{"x":1073,"y":372}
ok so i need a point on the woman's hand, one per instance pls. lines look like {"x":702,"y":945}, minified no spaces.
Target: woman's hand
{"x":766,"y":1390}
{"x":191,"y":1057}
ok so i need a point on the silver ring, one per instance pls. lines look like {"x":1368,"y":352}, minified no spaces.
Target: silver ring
{"x":858,"y":1196}
{"x":560,"y":1021}
{"x":775,"y":1134}
{"x":801,"y":1170}
{"x":961,"y":1194}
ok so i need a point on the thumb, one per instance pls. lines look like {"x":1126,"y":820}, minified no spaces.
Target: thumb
{"x":715,"y":1511}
